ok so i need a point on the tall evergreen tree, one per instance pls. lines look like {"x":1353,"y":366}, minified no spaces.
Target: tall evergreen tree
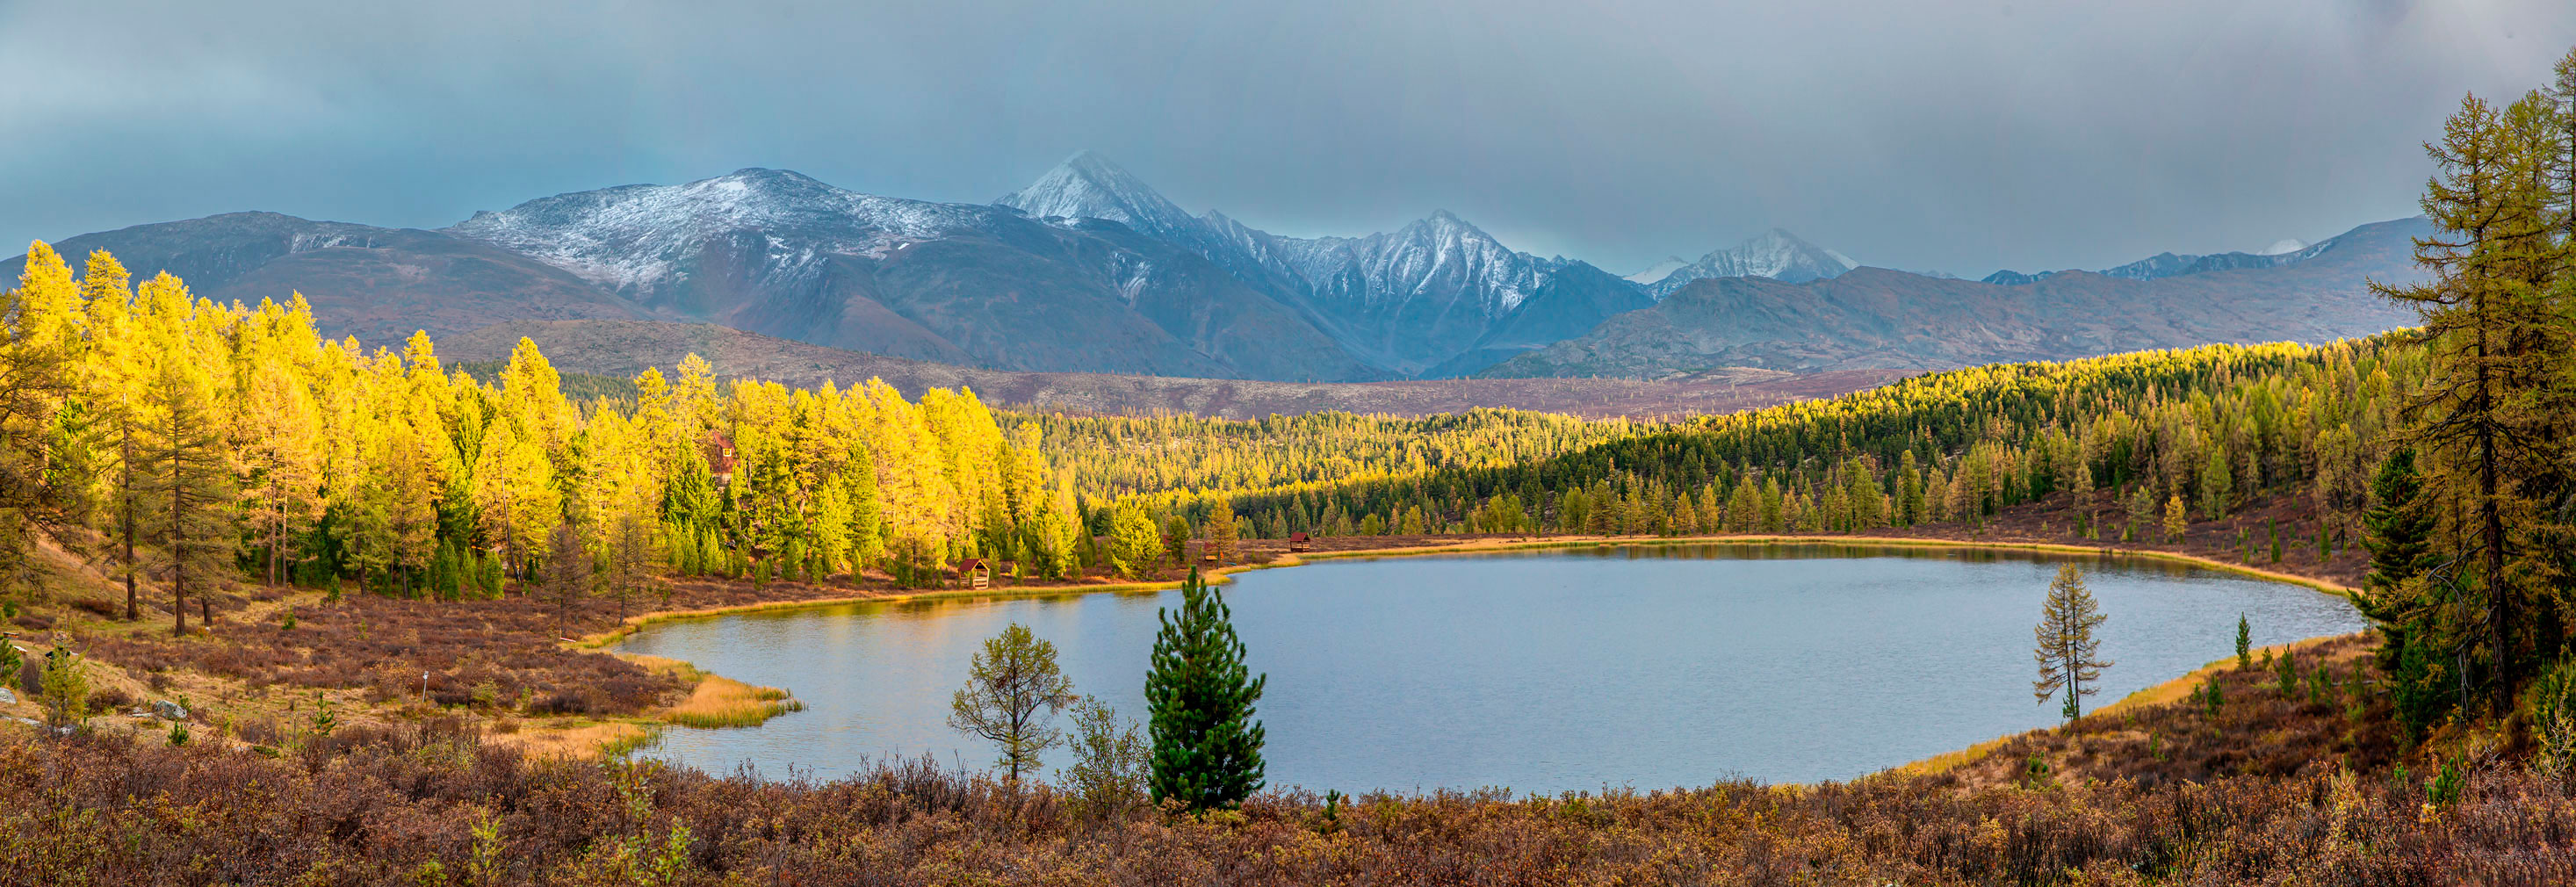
{"x":567,"y":572}
{"x":2493,"y":336}
{"x":1222,"y":533}
{"x":1207,"y":747}
{"x":2415,"y":611}
{"x":188,"y":482}
{"x":2399,"y":527}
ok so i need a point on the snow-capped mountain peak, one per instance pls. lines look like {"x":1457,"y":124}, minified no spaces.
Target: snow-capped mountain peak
{"x":1776,"y":254}
{"x":636,"y":238}
{"x":1088,"y":186}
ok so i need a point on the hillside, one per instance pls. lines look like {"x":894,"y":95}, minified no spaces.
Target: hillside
{"x":378,"y":284}
{"x":623,"y":348}
{"x":1875,"y":317}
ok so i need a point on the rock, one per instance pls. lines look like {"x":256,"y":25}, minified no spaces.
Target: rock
{"x":169,"y":711}
{"x":7,"y":698}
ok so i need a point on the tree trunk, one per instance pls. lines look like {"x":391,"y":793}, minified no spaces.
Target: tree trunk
{"x":125,"y":505}
{"x":276,"y":539}
{"x":178,"y":554}
{"x":2491,"y":521}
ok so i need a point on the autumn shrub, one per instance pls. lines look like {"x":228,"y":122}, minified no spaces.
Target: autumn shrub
{"x":564,"y":703}
{"x":107,"y":699}
{"x":378,"y":806}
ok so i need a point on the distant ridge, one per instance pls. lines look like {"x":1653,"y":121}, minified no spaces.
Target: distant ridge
{"x":1874,"y":317}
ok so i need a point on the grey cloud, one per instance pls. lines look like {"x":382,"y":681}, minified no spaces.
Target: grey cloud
{"x":1960,"y":137}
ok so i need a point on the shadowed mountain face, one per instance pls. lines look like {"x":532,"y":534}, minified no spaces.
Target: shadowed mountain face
{"x":1437,"y":297}
{"x":779,"y":253}
{"x":1874,"y":317}
{"x":378,"y":284}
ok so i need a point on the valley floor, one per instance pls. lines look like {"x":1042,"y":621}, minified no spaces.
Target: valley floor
{"x":456,"y":743}
{"x":530,"y":674}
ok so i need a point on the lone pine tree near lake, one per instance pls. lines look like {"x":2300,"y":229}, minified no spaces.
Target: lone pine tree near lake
{"x":754,"y":530}
{"x":2067,"y":651}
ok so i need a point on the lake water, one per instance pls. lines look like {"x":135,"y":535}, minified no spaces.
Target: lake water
{"x":1645,"y":666}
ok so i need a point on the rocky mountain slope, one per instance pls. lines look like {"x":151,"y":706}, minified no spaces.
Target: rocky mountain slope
{"x":1436,"y":297}
{"x":1874,"y":317}
{"x":378,"y":284}
{"x":777,"y":252}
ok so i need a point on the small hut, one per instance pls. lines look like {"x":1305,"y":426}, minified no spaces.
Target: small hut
{"x":1299,"y":542}
{"x":977,"y":572}
{"x":719,"y":453}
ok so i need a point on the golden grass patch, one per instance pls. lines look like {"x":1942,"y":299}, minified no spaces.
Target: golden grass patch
{"x":719,"y":701}
{"x":575,"y":740}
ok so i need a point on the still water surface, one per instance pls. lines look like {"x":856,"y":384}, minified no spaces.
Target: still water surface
{"x":1643,"y":666}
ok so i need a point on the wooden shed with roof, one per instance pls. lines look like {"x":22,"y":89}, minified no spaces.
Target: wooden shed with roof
{"x":719,"y":453}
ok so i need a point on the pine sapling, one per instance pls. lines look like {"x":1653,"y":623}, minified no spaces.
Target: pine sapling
{"x":2244,"y":643}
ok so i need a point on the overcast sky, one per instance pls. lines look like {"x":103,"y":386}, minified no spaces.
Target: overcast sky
{"x":1959,"y":137}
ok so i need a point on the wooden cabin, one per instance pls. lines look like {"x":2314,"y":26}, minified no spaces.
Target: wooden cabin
{"x":719,"y":453}
{"x":1300,"y":542}
{"x":977,"y":572}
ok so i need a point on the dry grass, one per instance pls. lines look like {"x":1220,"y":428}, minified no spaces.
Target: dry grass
{"x":575,"y":740}
{"x":719,"y":701}
{"x":383,"y":807}
{"x":2336,"y":716}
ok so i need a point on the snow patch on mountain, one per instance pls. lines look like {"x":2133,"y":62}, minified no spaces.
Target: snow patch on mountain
{"x":1657,"y":271}
{"x":639,"y":238}
{"x":1775,"y":254}
{"x":1088,"y":186}
{"x":1441,"y":257}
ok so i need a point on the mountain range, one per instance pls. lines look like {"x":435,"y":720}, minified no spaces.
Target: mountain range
{"x":1875,"y":317}
{"x":1090,"y":270}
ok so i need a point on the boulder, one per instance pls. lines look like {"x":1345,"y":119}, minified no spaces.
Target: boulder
{"x":169,"y":711}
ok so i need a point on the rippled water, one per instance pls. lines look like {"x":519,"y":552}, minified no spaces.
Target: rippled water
{"x":1647,"y":666}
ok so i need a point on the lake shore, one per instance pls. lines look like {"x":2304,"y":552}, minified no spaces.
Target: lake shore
{"x":336,"y":632}
{"x":1369,"y":548}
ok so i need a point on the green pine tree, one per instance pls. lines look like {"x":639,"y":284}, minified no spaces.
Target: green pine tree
{"x":2416,"y":641}
{"x":1207,"y":747}
{"x":2400,"y":530}
{"x":2244,"y":643}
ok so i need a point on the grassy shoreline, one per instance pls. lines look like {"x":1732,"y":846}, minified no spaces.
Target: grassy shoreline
{"x":1223,"y":574}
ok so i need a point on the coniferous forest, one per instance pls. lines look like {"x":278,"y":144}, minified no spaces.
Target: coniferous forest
{"x":303,"y":610}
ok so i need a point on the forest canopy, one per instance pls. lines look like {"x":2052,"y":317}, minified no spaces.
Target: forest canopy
{"x":155,"y":432}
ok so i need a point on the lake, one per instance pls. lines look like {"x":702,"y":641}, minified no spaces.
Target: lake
{"x":1648,"y":666}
